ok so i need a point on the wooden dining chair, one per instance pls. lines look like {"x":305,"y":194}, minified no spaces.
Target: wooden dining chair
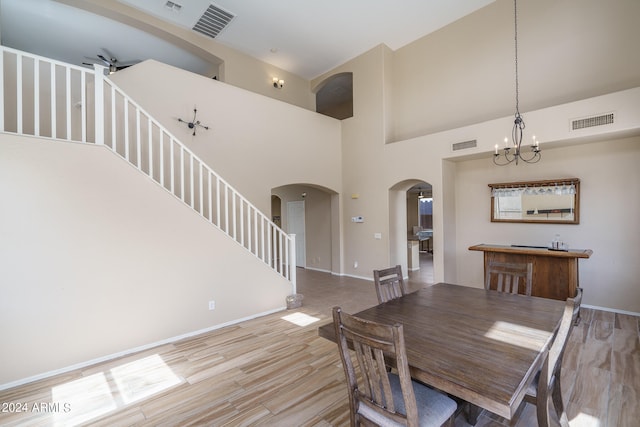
{"x":547,"y":381}
{"x":508,"y":277}
{"x":389,"y":283}
{"x":380,"y":397}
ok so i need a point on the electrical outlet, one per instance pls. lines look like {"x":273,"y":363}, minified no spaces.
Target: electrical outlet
{"x":212,"y":305}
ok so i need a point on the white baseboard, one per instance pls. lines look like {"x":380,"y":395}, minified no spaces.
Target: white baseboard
{"x":321,"y":270}
{"x":131,"y":351}
{"x":612,"y":310}
{"x":357,"y":277}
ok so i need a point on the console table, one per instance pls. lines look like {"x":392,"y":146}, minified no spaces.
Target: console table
{"x":555,"y":273}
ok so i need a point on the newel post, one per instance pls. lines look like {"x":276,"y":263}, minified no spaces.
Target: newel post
{"x":292,"y":263}
{"x":1,"y":90}
{"x":99,"y":71}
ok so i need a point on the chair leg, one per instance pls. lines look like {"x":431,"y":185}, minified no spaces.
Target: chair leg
{"x":546,"y":412}
{"x":452,"y":420}
{"x":558,"y":404}
{"x":472,"y":413}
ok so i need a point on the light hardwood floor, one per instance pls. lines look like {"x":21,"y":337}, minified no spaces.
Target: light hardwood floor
{"x":276,"y":371}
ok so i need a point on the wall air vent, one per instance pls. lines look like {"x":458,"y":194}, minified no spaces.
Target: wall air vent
{"x":464,"y":145}
{"x":213,"y":21}
{"x":587,"y":122}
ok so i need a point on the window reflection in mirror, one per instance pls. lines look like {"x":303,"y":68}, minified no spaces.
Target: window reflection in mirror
{"x":548,"y":201}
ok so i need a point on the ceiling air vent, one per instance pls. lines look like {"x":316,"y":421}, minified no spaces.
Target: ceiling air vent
{"x":464,"y":145}
{"x":587,"y":122}
{"x":212,"y":21}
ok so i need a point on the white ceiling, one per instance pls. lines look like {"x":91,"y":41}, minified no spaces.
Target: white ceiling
{"x":306,"y":38}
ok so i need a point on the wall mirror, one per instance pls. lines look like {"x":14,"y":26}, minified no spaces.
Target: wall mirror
{"x":555,"y":201}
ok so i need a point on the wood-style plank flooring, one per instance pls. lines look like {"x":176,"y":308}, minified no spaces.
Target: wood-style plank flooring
{"x":276,"y":371}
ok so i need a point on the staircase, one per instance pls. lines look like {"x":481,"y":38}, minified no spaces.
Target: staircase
{"x":53,"y":100}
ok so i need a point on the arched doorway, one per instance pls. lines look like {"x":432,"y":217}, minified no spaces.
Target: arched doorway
{"x":420,"y":232}
{"x":411,"y":228}
{"x":319,"y":208}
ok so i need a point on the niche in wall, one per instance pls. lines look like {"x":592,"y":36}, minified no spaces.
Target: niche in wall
{"x":334,"y":98}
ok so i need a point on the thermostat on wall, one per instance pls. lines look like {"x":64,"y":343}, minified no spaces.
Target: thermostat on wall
{"x":357,"y":219}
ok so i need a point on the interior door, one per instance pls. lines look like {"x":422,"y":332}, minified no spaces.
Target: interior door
{"x":296,"y":225}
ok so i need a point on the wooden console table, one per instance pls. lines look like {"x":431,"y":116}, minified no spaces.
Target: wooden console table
{"x":555,"y":273}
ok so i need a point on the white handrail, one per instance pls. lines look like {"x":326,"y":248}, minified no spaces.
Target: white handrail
{"x":124,"y":127}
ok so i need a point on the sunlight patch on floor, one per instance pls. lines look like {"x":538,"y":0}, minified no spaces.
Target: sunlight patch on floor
{"x":585,"y":420}
{"x":300,"y":319}
{"x":91,"y":397}
{"x":84,"y":399}
{"x":142,"y":378}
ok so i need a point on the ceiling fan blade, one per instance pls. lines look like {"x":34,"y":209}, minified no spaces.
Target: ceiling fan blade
{"x":109,"y":54}
{"x":105,"y":60}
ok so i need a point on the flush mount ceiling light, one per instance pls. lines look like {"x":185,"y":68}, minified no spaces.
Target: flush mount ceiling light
{"x":507,"y":156}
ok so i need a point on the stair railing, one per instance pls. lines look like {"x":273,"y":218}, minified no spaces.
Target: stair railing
{"x":65,"y":102}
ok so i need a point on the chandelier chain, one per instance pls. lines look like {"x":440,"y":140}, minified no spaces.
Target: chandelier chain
{"x":515,"y":19}
{"x":517,"y":132}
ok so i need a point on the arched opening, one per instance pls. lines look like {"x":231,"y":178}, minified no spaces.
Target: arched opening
{"x":420,"y":231}
{"x":334,"y":96}
{"x":411,"y":229}
{"x":316,"y":210}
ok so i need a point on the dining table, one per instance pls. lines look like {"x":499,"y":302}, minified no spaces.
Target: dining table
{"x":482,"y":346}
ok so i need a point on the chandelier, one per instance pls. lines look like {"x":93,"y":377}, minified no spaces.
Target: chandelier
{"x":508,"y":156}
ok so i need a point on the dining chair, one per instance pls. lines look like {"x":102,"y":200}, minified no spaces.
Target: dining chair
{"x":507,"y":277}
{"x":380,"y":397}
{"x":547,"y":380}
{"x":389,"y":283}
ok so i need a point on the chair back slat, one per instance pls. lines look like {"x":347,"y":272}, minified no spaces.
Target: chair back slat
{"x":389,"y":283}
{"x":509,"y":277}
{"x":371,"y":342}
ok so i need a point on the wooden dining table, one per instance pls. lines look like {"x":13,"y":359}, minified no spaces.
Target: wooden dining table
{"x":481,"y":346}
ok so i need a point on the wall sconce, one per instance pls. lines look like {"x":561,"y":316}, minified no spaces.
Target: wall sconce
{"x":278,"y":83}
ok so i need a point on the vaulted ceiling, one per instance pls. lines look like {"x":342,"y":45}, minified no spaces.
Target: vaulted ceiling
{"x":305,"y":38}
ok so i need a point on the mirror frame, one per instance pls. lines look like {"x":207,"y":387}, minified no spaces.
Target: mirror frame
{"x":542,"y":183}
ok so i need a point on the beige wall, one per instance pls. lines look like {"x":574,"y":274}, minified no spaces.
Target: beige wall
{"x":457,"y":85}
{"x":609,"y":207}
{"x":363,"y":164}
{"x":97,"y":259}
{"x":254,"y":142}
{"x":120,"y":259}
{"x":464,"y":73}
